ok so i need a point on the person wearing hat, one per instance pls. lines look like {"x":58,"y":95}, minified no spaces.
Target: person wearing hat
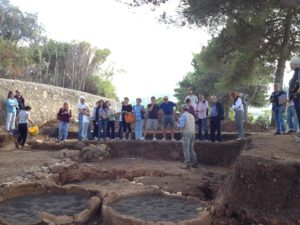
{"x":187,"y":126}
{"x":294,"y":86}
{"x":82,"y":109}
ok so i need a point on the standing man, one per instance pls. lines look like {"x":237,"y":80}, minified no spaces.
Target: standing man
{"x":278,"y":99}
{"x":216,"y":115}
{"x":292,"y":118}
{"x":20,"y":100}
{"x":187,"y":124}
{"x":169,"y":118}
{"x":152,"y":121}
{"x":294,"y":84}
{"x":193,"y":98}
{"x":82,"y":108}
{"x":202,"y":113}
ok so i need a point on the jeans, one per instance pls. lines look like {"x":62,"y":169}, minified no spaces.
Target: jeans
{"x":10,"y":121}
{"x":278,"y":113}
{"x":95,"y":131}
{"x":111,"y":127}
{"x":120,"y":129}
{"x":215,"y":125}
{"x":102,"y":128}
{"x":292,"y":118}
{"x":202,"y":125}
{"x":139,"y":129}
{"x":297,"y":108}
{"x":63,"y":130}
{"x":80,"y":117}
{"x":126,"y":126}
{"x":239,"y":122}
{"x":84,"y":131}
{"x":188,"y":141}
{"x":22,"y":127}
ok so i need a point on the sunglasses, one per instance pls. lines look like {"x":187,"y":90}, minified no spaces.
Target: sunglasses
{"x":165,"y":99}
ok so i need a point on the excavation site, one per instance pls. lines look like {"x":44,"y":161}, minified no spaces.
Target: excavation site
{"x":116,"y":182}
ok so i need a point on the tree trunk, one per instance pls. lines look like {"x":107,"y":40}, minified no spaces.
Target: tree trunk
{"x":226,"y":113}
{"x":284,"y":48}
{"x":284,"y":52}
{"x":246,"y":119}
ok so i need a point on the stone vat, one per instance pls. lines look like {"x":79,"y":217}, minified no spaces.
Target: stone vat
{"x":143,"y":214}
{"x":27,"y":204}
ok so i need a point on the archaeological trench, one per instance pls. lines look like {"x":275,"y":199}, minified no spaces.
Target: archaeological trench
{"x":139,"y":183}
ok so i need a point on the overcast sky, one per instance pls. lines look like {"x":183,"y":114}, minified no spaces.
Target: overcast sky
{"x":154,"y":56}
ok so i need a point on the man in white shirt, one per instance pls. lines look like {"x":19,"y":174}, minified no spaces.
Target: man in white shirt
{"x":238,"y":109}
{"x":202,"y":113}
{"x":193,"y":98}
{"x":81,"y":106}
{"x":187,"y":125}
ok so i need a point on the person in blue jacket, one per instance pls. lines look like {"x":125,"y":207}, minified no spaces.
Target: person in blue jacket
{"x":11,"y":111}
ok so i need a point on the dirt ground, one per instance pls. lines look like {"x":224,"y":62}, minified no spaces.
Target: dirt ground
{"x":13,"y":162}
{"x":203,"y":182}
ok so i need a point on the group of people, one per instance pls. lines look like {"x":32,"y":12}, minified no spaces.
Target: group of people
{"x":17,"y":114}
{"x":104,"y":118}
{"x":287,"y":102}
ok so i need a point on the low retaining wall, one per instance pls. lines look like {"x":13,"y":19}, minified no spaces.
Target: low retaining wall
{"x":222,"y":154}
{"x":46,"y":100}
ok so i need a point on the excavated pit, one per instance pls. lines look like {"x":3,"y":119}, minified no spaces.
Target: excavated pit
{"x":28,"y":209}
{"x":154,"y":208}
{"x":157,"y":208}
{"x":34,"y":203}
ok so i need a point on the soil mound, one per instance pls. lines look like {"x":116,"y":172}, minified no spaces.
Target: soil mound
{"x":229,"y":126}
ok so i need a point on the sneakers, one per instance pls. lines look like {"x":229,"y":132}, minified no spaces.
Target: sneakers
{"x":142,"y":138}
{"x":173,"y":139}
{"x":163,"y":139}
{"x":17,"y":144}
{"x":239,"y":139}
{"x":154,"y":139}
{"x":194,"y":166}
{"x":185,"y":167}
{"x":277,"y":133}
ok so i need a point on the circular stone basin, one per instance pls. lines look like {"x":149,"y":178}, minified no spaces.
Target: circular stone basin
{"x":155,"y":209}
{"x":28,"y":209}
{"x":36,"y":203}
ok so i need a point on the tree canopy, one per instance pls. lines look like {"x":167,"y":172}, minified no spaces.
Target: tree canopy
{"x":26,"y":54}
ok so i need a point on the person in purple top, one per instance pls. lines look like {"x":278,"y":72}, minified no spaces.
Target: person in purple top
{"x":169,"y":119}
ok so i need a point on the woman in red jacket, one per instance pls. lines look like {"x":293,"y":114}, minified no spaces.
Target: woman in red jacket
{"x":64,"y":116}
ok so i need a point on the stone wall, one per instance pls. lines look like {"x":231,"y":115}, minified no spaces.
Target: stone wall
{"x":46,"y":100}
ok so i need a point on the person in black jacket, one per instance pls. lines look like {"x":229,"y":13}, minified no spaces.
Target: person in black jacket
{"x":216,"y":115}
{"x":294,"y":84}
{"x":20,"y":100}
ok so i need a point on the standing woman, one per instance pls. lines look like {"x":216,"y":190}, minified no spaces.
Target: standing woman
{"x":95,"y":120}
{"x":126,"y":110}
{"x":101,"y":114}
{"x":111,"y":121}
{"x":11,"y":111}
{"x":64,"y":116}
{"x":238,"y":109}
{"x":22,"y":119}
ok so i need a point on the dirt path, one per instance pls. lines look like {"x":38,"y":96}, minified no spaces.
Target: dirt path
{"x":14,"y":162}
{"x":281,"y":147}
